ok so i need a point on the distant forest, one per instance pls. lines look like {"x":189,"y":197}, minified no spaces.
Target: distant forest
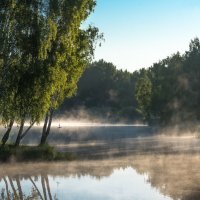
{"x":168,"y":92}
{"x":106,"y":93}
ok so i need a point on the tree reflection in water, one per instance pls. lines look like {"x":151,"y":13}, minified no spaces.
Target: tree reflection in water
{"x":13,"y":189}
{"x":175,"y":175}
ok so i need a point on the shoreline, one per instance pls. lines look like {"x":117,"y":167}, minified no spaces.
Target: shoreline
{"x":24,"y":153}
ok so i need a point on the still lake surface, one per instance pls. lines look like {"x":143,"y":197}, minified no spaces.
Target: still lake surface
{"x":117,"y":163}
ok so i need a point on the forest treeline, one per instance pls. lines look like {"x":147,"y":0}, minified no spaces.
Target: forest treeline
{"x":165,"y":93}
{"x":168,"y":92}
{"x":104,"y":92}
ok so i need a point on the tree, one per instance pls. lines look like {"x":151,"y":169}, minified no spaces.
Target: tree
{"x":143,"y":92}
{"x":110,"y":96}
{"x":43,"y":59}
{"x":71,"y":50}
{"x":175,"y":87}
{"x":9,"y":59}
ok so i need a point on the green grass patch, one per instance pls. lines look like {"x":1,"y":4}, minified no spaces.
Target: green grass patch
{"x":33,"y":153}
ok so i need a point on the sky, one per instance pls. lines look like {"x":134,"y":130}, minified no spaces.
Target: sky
{"x":139,"y":33}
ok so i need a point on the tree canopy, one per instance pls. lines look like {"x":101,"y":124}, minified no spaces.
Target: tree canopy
{"x":175,"y":87}
{"x":43,"y":52}
{"x":105,"y":92}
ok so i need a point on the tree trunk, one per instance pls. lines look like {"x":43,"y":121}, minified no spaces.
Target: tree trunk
{"x":46,"y":128}
{"x":7,"y":133}
{"x":19,"y":188}
{"x":39,"y":193}
{"x":49,"y":125}
{"x":27,"y":130}
{"x":43,"y":187}
{"x":48,"y":187}
{"x":17,"y":142}
{"x":13,"y":187}
{"x":43,"y":138}
{"x":7,"y":188}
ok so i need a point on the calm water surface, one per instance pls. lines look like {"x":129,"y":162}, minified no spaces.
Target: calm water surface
{"x":117,"y":163}
{"x":120,"y":184}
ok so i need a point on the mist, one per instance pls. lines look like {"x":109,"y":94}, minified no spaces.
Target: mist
{"x":167,"y":174}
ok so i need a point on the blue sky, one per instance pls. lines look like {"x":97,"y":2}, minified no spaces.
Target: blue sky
{"x":140,"y":32}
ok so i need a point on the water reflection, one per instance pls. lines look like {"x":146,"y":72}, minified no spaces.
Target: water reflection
{"x":161,"y":177}
{"x":175,"y":175}
{"x":20,"y":187}
{"x":123,"y":163}
{"x":121,"y":184}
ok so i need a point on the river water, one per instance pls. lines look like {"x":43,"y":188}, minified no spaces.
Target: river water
{"x":116,"y":163}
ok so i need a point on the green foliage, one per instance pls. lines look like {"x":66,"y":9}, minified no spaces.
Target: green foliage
{"x":26,"y":153}
{"x":43,"y":52}
{"x":105,"y":92}
{"x":175,"y":88}
{"x":143,"y":92}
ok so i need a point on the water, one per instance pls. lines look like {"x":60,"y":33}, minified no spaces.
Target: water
{"x":76,"y":180}
{"x":115,"y":163}
{"x":156,"y":177}
{"x":112,"y":141}
{"x":120,"y":184}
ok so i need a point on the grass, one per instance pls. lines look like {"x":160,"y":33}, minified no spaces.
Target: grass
{"x":32,"y":153}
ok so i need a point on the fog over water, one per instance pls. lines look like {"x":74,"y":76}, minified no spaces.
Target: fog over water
{"x":96,"y":139}
{"x":114,"y":162}
{"x":161,"y":177}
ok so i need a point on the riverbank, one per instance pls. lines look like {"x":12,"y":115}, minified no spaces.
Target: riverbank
{"x":10,"y":153}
